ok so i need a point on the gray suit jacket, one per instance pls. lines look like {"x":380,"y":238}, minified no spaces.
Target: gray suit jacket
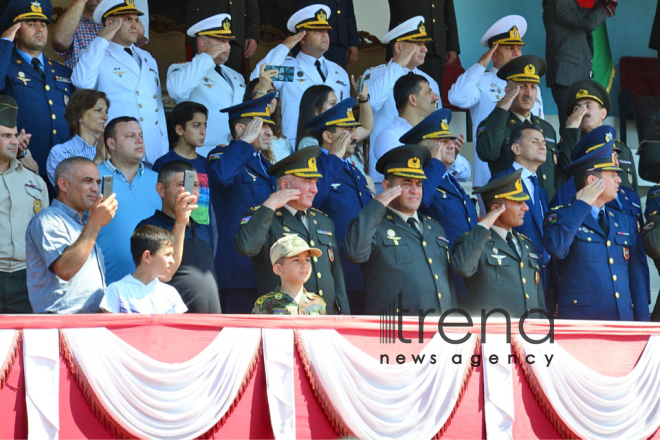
{"x":568,"y":44}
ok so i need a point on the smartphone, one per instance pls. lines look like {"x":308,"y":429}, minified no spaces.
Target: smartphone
{"x":360,"y":84}
{"x":189,"y":181}
{"x":284,"y":73}
{"x":107,"y":187}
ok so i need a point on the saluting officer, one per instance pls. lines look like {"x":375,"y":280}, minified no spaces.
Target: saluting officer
{"x":207,"y":80}
{"x":444,"y":200}
{"x":238,"y":179}
{"x":399,"y":250}
{"x":343,"y":189}
{"x":479,"y":89}
{"x":522,"y":75}
{"x":40,"y":86}
{"x":501,"y":266}
{"x":593,"y":102}
{"x":602,"y":276}
{"x":310,"y":26}
{"x":127,"y":74}
{"x":289,"y":211}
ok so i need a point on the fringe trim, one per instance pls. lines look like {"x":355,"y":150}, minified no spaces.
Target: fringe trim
{"x":337,"y":422}
{"x":116,"y":429}
{"x":331,"y":412}
{"x":560,"y":426}
{"x":8,"y":364}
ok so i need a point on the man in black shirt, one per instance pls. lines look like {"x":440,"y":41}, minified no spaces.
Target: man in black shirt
{"x":195,"y":279}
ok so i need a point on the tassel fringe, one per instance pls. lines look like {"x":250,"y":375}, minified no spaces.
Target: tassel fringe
{"x":8,"y":364}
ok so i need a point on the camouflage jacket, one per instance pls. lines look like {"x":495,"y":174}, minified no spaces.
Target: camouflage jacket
{"x":279,"y":303}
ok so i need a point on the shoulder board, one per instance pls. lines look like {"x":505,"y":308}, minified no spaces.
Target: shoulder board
{"x":433,"y":220}
{"x":380,"y":66}
{"x":263,"y":298}
{"x":314,"y":209}
{"x":554,"y":208}
{"x":653,"y":213}
{"x":289,"y":58}
{"x":524,"y":236}
{"x":312,"y":295}
{"x":254,"y":208}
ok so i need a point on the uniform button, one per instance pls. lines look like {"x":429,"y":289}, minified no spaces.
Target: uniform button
{"x":544,"y":177}
{"x":141,"y":119}
{"x":527,"y":296}
{"x":521,"y":265}
{"x":54,"y":131}
{"x":436,"y":277}
{"x":140,"y":105}
{"x":320,"y":292}
{"x":154,"y":96}
{"x":609,"y":243}
{"x":434,"y":20}
{"x":423,"y":243}
{"x":137,"y":92}
{"x":524,"y":281}
{"x":47,"y":87}
{"x":311,"y":242}
{"x":439,"y":295}
{"x":464,"y":202}
{"x":469,"y":220}
{"x":53,"y":116}
{"x":338,"y":12}
{"x":589,"y":239}
{"x":614,"y":277}
{"x":156,"y":109}
{"x":575,"y":301}
{"x":611,"y":260}
{"x":316,"y":260}
{"x":50,"y":101}
{"x":156,"y":122}
{"x":318,"y":275}
{"x":616,"y":295}
{"x":430,"y":260}
{"x":360,"y":194}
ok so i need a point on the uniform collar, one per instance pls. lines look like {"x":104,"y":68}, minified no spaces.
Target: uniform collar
{"x":293,"y":211}
{"x":308,"y":59}
{"x":595,"y":211}
{"x":522,"y":118}
{"x":500,"y":231}
{"x":399,"y":121}
{"x":525,"y":173}
{"x":14,"y":165}
{"x":27,"y":57}
{"x":405,"y":217}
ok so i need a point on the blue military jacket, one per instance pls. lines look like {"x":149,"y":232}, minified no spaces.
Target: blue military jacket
{"x":41,"y":101}
{"x":652,"y":200}
{"x":237,"y":181}
{"x":446,"y":202}
{"x":343,"y":192}
{"x":602,"y":276}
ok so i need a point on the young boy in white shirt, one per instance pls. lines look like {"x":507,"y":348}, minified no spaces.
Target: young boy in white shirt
{"x":152,"y":249}
{"x":291,"y":259}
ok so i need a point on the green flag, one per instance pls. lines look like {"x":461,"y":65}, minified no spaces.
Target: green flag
{"x":603,"y":65}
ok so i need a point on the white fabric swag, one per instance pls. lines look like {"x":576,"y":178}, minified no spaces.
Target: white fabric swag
{"x":278,"y":362}
{"x":155,"y":399}
{"x":498,"y":388}
{"x":41,"y":366}
{"x":592,"y":405}
{"x":374,"y":400}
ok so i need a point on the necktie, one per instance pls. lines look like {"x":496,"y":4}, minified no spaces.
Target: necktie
{"x":37,"y":66}
{"x":602,"y":222}
{"x":318,"y":67}
{"x":128,"y":51}
{"x":300,"y":217}
{"x":512,"y":245}
{"x":413,"y":224}
{"x":537,"y":191}
{"x":218,"y":69}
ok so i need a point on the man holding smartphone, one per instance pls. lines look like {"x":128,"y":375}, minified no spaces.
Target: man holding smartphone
{"x":310,"y":26}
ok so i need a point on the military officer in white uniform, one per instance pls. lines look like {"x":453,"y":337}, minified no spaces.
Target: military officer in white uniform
{"x":207,"y":80}
{"x":310,"y":25}
{"x":128,"y":75}
{"x":479,"y":89}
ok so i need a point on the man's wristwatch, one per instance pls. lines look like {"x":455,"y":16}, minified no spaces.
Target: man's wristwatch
{"x":365,"y":101}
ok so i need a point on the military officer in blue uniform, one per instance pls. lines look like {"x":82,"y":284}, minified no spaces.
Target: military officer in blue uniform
{"x":343,"y":189}
{"x":40,"y":86}
{"x":444,"y":200}
{"x":597,"y":248}
{"x":238,"y":180}
{"x":290,"y":211}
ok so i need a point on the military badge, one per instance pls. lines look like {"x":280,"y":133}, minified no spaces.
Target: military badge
{"x":647,"y":227}
{"x":630,"y":179}
{"x":554,"y":158}
{"x":391,"y":233}
{"x":299,"y":73}
{"x":550,"y":219}
{"x":626,"y":253}
{"x":215,"y":156}
{"x":536,"y":277}
{"x":286,"y":229}
{"x":66,"y":100}
{"x":21,"y":77}
{"x":244,"y":220}
{"x":37,"y":206}
{"x":331,"y":255}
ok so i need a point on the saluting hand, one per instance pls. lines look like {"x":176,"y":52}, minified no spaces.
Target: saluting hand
{"x":403,"y":58}
{"x":489,"y":219}
{"x":10,"y":33}
{"x":251,"y":131}
{"x":388,"y":195}
{"x":575,"y":118}
{"x":488,"y":56}
{"x":338,"y":148}
{"x":590,"y":193}
{"x":507,"y":100}
{"x":294,"y":39}
{"x":108,"y":32}
{"x":280,"y":198}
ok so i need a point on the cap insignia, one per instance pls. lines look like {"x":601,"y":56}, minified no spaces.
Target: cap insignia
{"x":530,"y":69}
{"x":514,"y":32}
{"x":444,"y":124}
{"x":36,"y":7}
{"x":414,"y":162}
{"x":608,"y":137}
{"x":581,"y":94}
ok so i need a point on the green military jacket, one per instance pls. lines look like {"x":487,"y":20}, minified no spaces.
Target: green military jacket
{"x":280,"y":303}
{"x":493,"y":147}
{"x":626,"y":161}
{"x":395,"y":259}
{"x":495,"y":277}
{"x":262,"y":227}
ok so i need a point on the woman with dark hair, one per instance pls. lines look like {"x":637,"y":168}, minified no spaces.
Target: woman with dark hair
{"x":280,"y":146}
{"x":86,"y":114}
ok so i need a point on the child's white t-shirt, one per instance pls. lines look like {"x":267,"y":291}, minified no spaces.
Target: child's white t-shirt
{"x":130,"y":295}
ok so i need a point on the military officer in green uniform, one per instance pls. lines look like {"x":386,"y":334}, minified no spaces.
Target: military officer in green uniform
{"x":501,"y":267}
{"x":651,"y":240}
{"x":592,"y":102}
{"x":291,"y":259}
{"x":401,"y":251}
{"x":289,"y":211}
{"x":522,"y":75}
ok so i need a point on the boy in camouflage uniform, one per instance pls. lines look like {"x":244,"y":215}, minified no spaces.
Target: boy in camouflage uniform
{"x":291,"y":260}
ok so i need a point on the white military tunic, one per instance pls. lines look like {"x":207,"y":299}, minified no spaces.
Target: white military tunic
{"x":479,"y":91}
{"x":198,"y":81}
{"x":305,"y":75}
{"x":380,"y":81}
{"x":133,"y":89}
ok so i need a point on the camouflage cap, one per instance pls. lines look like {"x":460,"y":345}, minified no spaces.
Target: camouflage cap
{"x":290,"y":246}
